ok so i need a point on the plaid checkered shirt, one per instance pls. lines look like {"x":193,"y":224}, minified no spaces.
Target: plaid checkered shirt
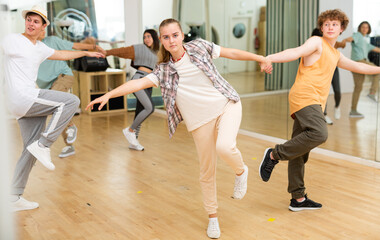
{"x":200,"y":53}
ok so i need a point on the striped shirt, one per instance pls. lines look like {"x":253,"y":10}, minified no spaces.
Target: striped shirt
{"x":201,"y":53}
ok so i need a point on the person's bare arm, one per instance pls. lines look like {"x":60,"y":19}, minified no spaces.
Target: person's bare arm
{"x":68,"y":55}
{"x":376,"y":49}
{"x":127,"y":88}
{"x":85,"y":46}
{"x":341,"y":44}
{"x":123,"y":52}
{"x":349,"y":39}
{"x":309,"y":47}
{"x":236,"y":54}
{"x":357,"y":67}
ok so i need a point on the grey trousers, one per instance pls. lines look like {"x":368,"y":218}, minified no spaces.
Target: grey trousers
{"x":358,"y":85}
{"x":144,"y":104}
{"x":309,"y":131}
{"x":63,"y":83}
{"x":32,"y":127}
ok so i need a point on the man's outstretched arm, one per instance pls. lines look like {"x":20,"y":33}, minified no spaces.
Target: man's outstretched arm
{"x":357,"y":67}
{"x":291,"y":54}
{"x":68,"y":55}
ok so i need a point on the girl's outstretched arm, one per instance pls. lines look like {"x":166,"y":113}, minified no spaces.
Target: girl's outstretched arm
{"x":237,"y":54}
{"x":127,"y":88}
{"x":123,"y":52}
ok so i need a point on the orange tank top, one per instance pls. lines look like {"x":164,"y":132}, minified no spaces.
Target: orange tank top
{"x":312,"y":85}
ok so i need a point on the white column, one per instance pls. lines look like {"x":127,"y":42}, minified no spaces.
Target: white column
{"x":133,"y":21}
{"x":133,"y":27}
{"x":6,"y":219}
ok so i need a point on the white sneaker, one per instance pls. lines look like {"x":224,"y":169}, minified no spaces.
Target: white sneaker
{"x":71,"y":134}
{"x":136,"y":147}
{"x":328,"y":120}
{"x":356,"y":114}
{"x":42,"y":154}
{"x":23,"y":204}
{"x":213,"y":230}
{"x":337,"y":113}
{"x":240,"y":188}
{"x":373,"y":97}
{"x":67,"y":151}
{"x":130,"y":136}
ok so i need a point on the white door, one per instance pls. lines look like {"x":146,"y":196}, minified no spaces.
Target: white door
{"x":238,"y":35}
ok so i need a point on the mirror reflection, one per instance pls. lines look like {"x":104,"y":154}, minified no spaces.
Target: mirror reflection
{"x":259,"y":26}
{"x":264,"y":98}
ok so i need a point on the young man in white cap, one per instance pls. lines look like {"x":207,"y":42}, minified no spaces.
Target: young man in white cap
{"x":23,"y":54}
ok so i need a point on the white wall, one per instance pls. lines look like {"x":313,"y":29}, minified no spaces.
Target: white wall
{"x":16,"y":4}
{"x":346,"y":80}
{"x":6,"y":218}
{"x":367,"y":10}
{"x":133,"y":26}
{"x":16,"y":23}
{"x":192,"y":12}
{"x":110,"y":26}
{"x":133,"y":21}
{"x":154,"y":12}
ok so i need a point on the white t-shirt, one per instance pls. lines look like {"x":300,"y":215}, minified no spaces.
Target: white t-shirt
{"x":197,"y":99}
{"x":22,"y":59}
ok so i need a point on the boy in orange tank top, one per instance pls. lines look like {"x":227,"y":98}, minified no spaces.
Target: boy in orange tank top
{"x":307,"y":99}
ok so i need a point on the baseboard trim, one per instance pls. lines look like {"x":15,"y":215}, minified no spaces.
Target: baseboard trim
{"x":346,"y":157}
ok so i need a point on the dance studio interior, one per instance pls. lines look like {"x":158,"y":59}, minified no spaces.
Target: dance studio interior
{"x":107,"y":189}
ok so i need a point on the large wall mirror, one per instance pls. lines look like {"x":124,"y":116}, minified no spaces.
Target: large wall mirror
{"x":239,"y":24}
{"x":357,"y":137}
{"x":259,"y":26}
{"x":86,"y":21}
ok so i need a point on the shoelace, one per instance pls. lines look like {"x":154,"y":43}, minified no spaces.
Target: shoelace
{"x":238,"y":185}
{"x":70,"y":132}
{"x":269,"y":167}
{"x":213,"y":226}
{"x":132,"y":134}
{"x":65,"y":149}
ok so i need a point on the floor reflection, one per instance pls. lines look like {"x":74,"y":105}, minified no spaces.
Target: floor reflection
{"x":269,"y":115}
{"x":246,"y":82}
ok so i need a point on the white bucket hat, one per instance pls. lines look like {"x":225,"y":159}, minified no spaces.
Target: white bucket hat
{"x":37,"y":10}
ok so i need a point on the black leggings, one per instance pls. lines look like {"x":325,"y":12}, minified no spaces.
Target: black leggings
{"x":336,"y":88}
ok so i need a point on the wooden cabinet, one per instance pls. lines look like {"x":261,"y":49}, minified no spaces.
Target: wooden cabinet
{"x":95,"y":84}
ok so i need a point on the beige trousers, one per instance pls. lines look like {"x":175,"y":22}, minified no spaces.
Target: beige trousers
{"x":218,"y":138}
{"x":63,"y":84}
{"x":358,"y":85}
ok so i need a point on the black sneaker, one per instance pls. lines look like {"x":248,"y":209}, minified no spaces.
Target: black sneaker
{"x":267,"y":165}
{"x":308,"y":204}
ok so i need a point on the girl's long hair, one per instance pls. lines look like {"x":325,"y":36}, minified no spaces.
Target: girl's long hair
{"x":164,"y":55}
{"x":156,"y":42}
